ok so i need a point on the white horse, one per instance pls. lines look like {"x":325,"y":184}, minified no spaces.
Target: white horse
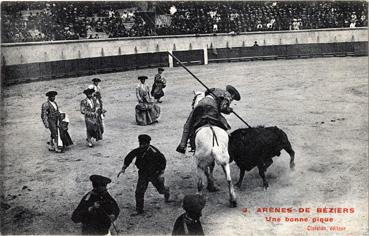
{"x":212,"y":147}
{"x":198,"y":96}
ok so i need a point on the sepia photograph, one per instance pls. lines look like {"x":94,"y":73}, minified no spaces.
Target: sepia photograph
{"x":184,"y":118}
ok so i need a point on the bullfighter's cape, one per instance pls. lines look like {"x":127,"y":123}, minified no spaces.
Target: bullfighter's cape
{"x":91,"y":121}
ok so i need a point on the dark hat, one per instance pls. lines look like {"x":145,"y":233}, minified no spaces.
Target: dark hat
{"x":142,"y":77}
{"x":233,"y":91}
{"x":97,"y":94}
{"x":144,"y":138}
{"x":96,"y":80}
{"x":51,"y":94}
{"x":194,"y":203}
{"x":100,"y":180}
{"x":160,"y":69}
{"x":88,"y":91}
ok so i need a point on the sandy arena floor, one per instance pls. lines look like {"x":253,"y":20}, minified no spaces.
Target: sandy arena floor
{"x":322,"y":105}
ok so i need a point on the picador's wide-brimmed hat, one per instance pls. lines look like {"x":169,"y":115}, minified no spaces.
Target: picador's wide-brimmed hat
{"x":96,"y":80}
{"x":194,"y":203}
{"x":89,"y":91}
{"x":51,"y":94}
{"x":100,"y":180}
{"x":142,"y":77}
{"x":233,"y":91}
{"x":144,"y":138}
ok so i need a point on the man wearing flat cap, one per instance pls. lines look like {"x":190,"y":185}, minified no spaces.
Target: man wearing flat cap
{"x":189,"y":222}
{"x":151,"y":164}
{"x":159,"y":84}
{"x":208,"y":111}
{"x":97,"y":209}
{"x":91,"y":110}
{"x":50,"y":117}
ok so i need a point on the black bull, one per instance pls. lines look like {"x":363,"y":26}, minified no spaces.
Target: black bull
{"x":252,"y":147}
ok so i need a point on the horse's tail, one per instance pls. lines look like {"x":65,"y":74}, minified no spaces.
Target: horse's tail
{"x":217,"y":153}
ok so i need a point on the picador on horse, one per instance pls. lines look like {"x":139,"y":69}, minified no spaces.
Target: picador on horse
{"x":208,"y":112}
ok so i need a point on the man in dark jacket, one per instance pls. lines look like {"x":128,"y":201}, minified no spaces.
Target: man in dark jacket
{"x":50,"y":117}
{"x":208,"y":111}
{"x":159,"y":84}
{"x":189,"y":222}
{"x":151,"y":165}
{"x":98,"y":209}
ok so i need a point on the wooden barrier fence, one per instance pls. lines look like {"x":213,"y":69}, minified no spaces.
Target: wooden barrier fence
{"x":13,"y":74}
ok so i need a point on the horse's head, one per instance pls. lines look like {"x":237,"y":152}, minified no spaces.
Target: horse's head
{"x":197,"y":97}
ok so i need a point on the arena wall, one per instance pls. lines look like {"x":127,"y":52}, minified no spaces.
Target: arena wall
{"x":37,"y":60}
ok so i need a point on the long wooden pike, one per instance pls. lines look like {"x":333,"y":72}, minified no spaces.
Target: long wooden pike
{"x":185,"y":67}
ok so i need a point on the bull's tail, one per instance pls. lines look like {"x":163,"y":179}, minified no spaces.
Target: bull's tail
{"x":288,"y":148}
{"x":291,"y":152}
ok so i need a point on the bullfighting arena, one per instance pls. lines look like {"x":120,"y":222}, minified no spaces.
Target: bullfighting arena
{"x":320,"y":103}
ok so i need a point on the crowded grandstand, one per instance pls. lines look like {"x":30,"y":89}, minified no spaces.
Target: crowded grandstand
{"x":51,"y":21}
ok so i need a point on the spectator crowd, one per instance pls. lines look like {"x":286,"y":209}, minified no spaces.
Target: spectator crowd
{"x":49,"y":21}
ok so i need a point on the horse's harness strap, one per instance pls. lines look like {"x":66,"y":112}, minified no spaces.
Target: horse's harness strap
{"x":215,"y":139}
{"x":214,"y":136}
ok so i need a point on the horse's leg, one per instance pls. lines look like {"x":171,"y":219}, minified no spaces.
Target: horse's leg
{"x":200,"y":178}
{"x":232,"y":194}
{"x":211,"y":181}
{"x":262,"y":170}
{"x":242,"y":174}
